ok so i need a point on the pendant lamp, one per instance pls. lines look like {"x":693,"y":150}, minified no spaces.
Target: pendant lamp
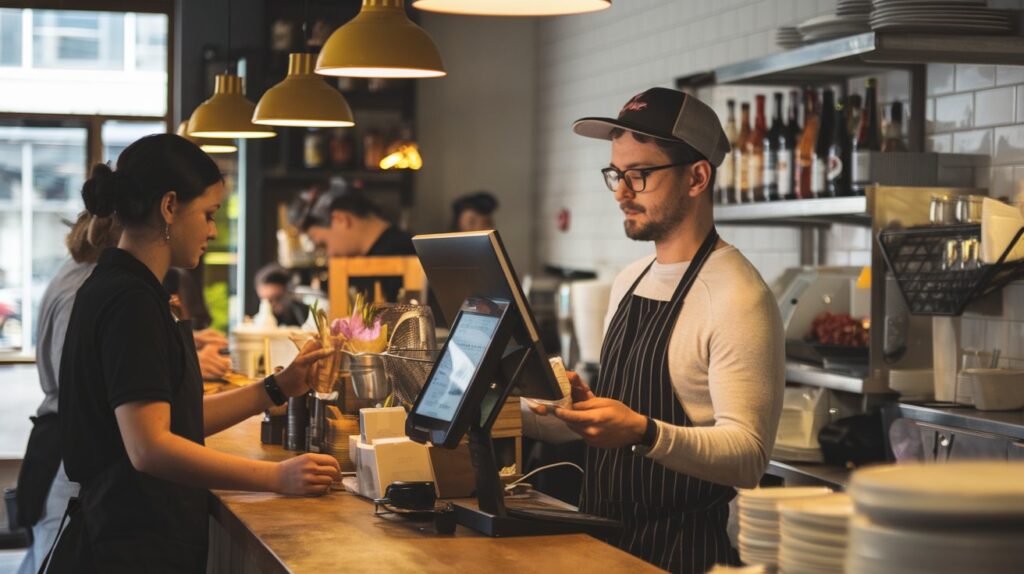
{"x":512,"y":7}
{"x":380,"y":42}
{"x":227,"y":114}
{"x":303,"y":99}
{"x":207,"y":145}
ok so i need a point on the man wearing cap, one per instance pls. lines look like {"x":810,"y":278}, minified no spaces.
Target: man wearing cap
{"x":687,"y":403}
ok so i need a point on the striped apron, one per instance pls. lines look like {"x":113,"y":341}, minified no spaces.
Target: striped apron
{"x":671,"y":520}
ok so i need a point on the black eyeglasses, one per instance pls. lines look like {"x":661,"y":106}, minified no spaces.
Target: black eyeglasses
{"x":636,"y":179}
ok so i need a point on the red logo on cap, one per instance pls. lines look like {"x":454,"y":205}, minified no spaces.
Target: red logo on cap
{"x":634,"y":105}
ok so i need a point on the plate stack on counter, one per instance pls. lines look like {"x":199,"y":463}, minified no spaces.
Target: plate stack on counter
{"x":759,"y":521}
{"x":814,"y":534}
{"x":949,"y":16}
{"x":937,"y":518}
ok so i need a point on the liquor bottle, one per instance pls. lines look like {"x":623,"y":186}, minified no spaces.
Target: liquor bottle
{"x":787,"y":148}
{"x":839,"y":154}
{"x":819,"y":164}
{"x":853,"y":114}
{"x":756,"y":151}
{"x":742,"y":156}
{"x":805,"y":149}
{"x":772,"y":145}
{"x":894,"y":131}
{"x":868,"y":138}
{"x":726,"y":180}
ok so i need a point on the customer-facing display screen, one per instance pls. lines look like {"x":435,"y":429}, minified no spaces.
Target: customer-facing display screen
{"x":466,"y":346}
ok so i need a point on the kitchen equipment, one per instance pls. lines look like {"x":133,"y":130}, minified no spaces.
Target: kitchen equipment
{"x":804,"y":414}
{"x":297,"y":423}
{"x":369,"y":379}
{"x":1001,"y":226}
{"x":942,"y":210}
{"x":913,"y":384}
{"x":411,"y":351}
{"x":995,"y":389}
{"x":947,"y":356}
{"x":589,"y":305}
{"x":968,"y":208}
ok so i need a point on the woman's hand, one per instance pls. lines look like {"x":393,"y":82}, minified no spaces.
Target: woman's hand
{"x":212,"y":364}
{"x":604,"y":423}
{"x":293,"y":380}
{"x":306,"y":475}
{"x":209,"y":337}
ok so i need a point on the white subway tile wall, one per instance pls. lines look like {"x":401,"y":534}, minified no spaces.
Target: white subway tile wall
{"x":592,"y":64}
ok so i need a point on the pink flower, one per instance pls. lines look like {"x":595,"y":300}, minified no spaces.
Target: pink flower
{"x":353,"y":329}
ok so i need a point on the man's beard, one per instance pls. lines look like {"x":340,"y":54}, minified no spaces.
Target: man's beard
{"x":661,"y":222}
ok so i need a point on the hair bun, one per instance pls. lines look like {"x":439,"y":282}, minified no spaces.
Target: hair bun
{"x":108,"y":191}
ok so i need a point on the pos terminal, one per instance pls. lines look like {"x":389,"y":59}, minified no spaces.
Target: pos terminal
{"x":493,"y":347}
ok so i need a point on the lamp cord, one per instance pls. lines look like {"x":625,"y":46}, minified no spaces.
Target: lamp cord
{"x":306,"y":28}
{"x":227,"y":64}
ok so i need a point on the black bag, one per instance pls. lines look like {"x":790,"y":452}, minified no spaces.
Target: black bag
{"x":853,"y":441}
{"x":64,"y":555}
{"x":42,"y":459}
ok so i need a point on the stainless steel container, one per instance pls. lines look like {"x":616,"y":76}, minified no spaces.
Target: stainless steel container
{"x":369,"y":379}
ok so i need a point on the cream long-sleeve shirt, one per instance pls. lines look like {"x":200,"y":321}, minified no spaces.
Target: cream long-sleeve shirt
{"x":727,"y":364}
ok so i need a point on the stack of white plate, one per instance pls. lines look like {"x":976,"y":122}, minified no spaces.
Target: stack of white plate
{"x":853,"y":8}
{"x":831,"y":26}
{"x":952,"y":16}
{"x":759,"y":521}
{"x":788,"y":37}
{"x":938,"y":518}
{"x":814,"y":533}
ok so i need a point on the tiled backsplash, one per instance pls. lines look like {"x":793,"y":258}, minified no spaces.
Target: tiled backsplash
{"x":591,"y":64}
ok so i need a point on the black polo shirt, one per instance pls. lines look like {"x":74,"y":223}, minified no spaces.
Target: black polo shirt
{"x":392,"y":242}
{"x":122,"y":345}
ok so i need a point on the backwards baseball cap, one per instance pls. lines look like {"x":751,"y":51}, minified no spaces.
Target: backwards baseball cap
{"x":668,"y":115}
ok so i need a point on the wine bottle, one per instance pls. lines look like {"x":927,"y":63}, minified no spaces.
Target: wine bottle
{"x":839,"y":154}
{"x":756,"y":150}
{"x":894,"y":131}
{"x":771,"y":157}
{"x":787,"y":148}
{"x":819,"y":164}
{"x":805,"y":149}
{"x":868,"y":138}
{"x":743,"y":156}
{"x":726,"y":180}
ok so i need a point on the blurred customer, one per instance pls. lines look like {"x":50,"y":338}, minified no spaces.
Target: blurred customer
{"x":273,"y":283}
{"x":43,"y":486}
{"x":474,"y":212}
{"x":353,"y":226}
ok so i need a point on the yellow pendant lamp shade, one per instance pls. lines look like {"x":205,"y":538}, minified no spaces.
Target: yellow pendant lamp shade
{"x":207,"y":145}
{"x":303,"y":99}
{"x":227,"y":114}
{"x":512,"y":7}
{"x":380,"y":42}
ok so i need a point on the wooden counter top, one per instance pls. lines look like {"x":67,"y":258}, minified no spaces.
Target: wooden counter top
{"x":338,"y":531}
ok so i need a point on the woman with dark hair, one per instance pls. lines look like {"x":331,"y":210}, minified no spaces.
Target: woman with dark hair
{"x":132,"y":413}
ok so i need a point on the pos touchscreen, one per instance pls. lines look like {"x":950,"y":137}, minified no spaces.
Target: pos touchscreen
{"x":458,"y":384}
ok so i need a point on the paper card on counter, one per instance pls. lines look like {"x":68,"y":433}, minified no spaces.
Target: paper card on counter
{"x":401,"y":459}
{"x":381,"y":423}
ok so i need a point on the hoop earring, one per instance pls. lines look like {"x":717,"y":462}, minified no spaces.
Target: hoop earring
{"x":167,"y":232}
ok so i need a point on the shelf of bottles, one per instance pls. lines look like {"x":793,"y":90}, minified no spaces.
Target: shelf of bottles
{"x":785,"y":170}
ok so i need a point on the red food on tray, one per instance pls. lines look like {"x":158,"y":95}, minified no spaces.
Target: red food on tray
{"x":838,"y":329}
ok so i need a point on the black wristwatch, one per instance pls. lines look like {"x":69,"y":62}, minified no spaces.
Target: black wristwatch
{"x":274,"y":391}
{"x":648,"y":440}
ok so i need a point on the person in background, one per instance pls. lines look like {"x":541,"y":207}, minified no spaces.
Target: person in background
{"x":353,"y":226}
{"x":187,"y":302}
{"x":132,"y":412}
{"x":273,"y":283}
{"x":43,"y":487}
{"x":474,"y":212}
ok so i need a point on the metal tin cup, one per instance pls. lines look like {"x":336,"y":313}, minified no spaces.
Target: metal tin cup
{"x":969,"y":249}
{"x":369,"y":380}
{"x":968,"y":208}
{"x":942,"y":210}
{"x":951,"y":256}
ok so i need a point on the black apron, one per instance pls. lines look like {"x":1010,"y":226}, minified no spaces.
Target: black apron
{"x":42,"y":459}
{"x":134,"y":522}
{"x":671,"y":520}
